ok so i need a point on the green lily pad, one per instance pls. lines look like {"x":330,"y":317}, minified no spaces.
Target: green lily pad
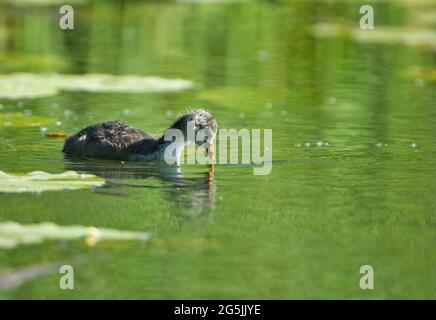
{"x":20,"y":120}
{"x":34,"y":85}
{"x":39,"y":181}
{"x":13,"y":234}
{"x":19,"y":86}
{"x":126,"y":83}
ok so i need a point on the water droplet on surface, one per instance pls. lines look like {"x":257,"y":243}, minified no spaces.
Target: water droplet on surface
{"x":413,"y":145}
{"x":58,"y":123}
{"x":332,"y":100}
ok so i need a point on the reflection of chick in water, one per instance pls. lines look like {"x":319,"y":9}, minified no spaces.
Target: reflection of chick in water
{"x":195,"y":190}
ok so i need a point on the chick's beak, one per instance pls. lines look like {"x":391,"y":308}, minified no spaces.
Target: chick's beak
{"x":210,"y":150}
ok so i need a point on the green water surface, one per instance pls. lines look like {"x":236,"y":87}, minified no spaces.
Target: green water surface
{"x":367,"y":197}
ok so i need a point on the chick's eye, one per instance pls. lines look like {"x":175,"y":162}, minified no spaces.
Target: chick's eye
{"x":205,"y":138}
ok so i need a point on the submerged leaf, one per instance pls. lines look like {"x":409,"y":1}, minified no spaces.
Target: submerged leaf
{"x":38,"y":181}
{"x":32,"y":85}
{"x":56,"y":135}
{"x":13,"y":234}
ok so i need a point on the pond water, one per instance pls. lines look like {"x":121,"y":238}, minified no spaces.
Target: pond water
{"x":353,"y":179}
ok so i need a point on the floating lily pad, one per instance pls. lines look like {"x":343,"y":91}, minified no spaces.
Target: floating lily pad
{"x":13,"y":234}
{"x":18,"y":86}
{"x":33,"y":85}
{"x":384,"y":35}
{"x":20,"y":120}
{"x":39,"y":181}
{"x":111,"y":83}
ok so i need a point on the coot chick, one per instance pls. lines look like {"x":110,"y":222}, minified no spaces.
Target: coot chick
{"x":118,"y":141}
